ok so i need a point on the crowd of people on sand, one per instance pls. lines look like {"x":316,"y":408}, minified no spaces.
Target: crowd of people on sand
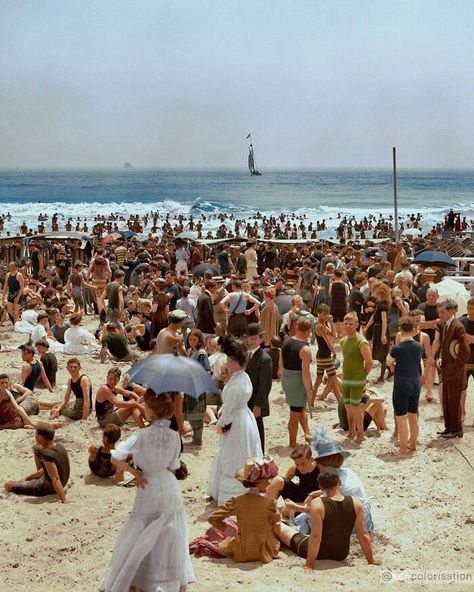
{"x":314,"y":317}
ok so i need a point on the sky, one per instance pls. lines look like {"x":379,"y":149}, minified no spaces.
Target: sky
{"x":181,"y":83}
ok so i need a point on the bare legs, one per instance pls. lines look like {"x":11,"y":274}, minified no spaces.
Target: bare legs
{"x":298,"y":418}
{"x":355,"y":418}
{"x":407,"y":426}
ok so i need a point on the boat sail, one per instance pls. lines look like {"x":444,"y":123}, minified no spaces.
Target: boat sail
{"x":251,"y":160}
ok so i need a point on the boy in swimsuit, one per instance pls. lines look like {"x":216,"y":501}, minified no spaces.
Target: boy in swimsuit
{"x":99,"y":456}
{"x":81,"y":386}
{"x":333,"y":518}
{"x":32,"y":369}
{"x":304,"y":469}
{"x":52,"y":467}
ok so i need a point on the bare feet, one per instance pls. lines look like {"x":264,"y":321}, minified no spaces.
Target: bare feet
{"x":308,"y":437}
{"x":351,"y":435}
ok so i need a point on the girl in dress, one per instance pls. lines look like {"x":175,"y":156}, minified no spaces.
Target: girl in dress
{"x":239,"y":438}
{"x":151,"y":553}
{"x":270,"y":316}
{"x":194,"y":409}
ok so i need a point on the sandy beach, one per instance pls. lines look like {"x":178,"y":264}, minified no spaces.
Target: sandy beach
{"x":422,"y":506}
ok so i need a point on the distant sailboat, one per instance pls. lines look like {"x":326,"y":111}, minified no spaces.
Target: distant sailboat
{"x":252,"y":162}
{"x":127,"y":165}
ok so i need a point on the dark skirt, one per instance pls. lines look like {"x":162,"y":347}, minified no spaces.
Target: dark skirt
{"x":379,"y":350}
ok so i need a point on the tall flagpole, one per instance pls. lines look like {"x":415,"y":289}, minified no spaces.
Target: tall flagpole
{"x":395,"y":199}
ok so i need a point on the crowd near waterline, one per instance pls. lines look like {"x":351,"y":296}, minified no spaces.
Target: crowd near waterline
{"x":314,"y":317}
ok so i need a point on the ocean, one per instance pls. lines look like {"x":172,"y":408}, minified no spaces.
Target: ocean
{"x":318,"y":194}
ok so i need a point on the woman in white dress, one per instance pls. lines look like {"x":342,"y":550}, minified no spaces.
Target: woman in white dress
{"x":42,"y":331}
{"x":236,"y":425}
{"x":181,"y":260}
{"x":28,"y":321}
{"x":151,"y":553}
{"x":77,"y":340}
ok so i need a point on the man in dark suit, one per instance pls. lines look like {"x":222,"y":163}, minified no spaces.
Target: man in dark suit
{"x":260,"y":370}
{"x":205,"y":310}
{"x":454,"y":353}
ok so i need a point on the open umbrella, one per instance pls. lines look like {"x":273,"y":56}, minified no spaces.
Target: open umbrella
{"x":203,"y":267}
{"x":434,"y":258}
{"x":110,"y":238}
{"x":374,"y":251}
{"x":283,"y":303}
{"x":126,"y":234}
{"x":188,"y":235}
{"x":453,"y":290}
{"x":170,"y":373}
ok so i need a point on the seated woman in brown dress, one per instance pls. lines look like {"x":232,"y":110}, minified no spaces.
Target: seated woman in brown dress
{"x":256,"y":515}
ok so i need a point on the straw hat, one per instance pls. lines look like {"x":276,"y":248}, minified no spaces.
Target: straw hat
{"x":256,"y":469}
{"x":454,"y":347}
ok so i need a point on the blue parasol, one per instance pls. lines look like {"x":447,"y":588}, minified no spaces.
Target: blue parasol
{"x":164,"y":373}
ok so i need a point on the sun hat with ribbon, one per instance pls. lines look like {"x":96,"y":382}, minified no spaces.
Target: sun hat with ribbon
{"x":256,"y":469}
{"x":323,"y":445}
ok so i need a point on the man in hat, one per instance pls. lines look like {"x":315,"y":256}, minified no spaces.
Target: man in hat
{"x":260,"y":370}
{"x":220,"y":317}
{"x":454,"y":354}
{"x":170,"y":339}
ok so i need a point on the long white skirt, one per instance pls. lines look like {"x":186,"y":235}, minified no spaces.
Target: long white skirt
{"x":152,"y":549}
{"x":181,"y":266}
{"x":235,"y":446}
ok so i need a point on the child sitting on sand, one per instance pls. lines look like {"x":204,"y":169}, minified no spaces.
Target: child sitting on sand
{"x":304,"y":469}
{"x":256,"y":515}
{"x":99,"y":456}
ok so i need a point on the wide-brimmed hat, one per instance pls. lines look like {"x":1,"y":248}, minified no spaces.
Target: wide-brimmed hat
{"x":218,"y":279}
{"x":254,"y":329}
{"x":323,"y":445}
{"x":256,"y":469}
{"x":454,"y":347}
